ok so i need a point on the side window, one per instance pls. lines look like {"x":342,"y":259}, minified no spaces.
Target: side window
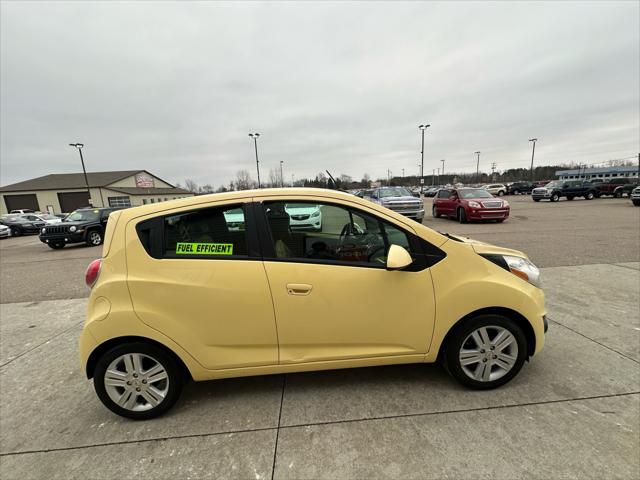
{"x":217,"y":232}
{"x":444,"y":194}
{"x":317,"y":232}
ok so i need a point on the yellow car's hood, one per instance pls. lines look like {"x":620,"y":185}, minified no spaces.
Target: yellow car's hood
{"x":486,"y":248}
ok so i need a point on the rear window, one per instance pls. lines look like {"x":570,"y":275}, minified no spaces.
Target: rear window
{"x":205,"y":233}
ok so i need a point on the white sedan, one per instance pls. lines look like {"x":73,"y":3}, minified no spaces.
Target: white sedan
{"x":304,"y":216}
{"x":495,"y":189}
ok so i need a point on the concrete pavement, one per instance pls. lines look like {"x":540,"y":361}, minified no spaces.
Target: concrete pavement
{"x":573,"y":412}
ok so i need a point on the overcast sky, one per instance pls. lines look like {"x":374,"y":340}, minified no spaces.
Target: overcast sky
{"x":175,"y":88}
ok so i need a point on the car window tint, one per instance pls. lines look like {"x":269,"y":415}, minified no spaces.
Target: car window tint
{"x":206,"y":233}
{"x":444,"y":194}
{"x":317,"y":232}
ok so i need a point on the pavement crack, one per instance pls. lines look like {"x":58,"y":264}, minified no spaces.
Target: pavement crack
{"x":594,"y":341}
{"x":75,"y":325}
{"x":275,"y":448}
{"x":312,"y":424}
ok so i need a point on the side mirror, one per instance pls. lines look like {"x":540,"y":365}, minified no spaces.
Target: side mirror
{"x":398,"y":258}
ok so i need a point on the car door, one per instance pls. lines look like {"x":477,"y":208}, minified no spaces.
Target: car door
{"x":333,"y":297}
{"x":195,"y":275}
{"x":443,"y":203}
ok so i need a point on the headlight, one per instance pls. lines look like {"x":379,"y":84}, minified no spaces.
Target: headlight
{"x":505,"y":203}
{"x":519,"y":266}
{"x":72,"y":228}
{"x":316,"y":213}
{"x":44,"y":230}
{"x":474,"y":204}
{"x":523,"y":268}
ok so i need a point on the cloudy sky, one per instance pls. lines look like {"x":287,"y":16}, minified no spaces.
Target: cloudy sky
{"x":175,"y":88}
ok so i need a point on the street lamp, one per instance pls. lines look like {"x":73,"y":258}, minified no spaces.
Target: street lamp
{"x":442,"y":168}
{"x":255,"y":144}
{"x":281,"y":177}
{"x":478,"y":167}
{"x":84,"y":171}
{"x":422,"y":129}
{"x":533,"y":152}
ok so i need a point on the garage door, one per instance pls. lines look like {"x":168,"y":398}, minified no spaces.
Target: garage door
{"x":71,"y":201}
{"x":21,"y":202}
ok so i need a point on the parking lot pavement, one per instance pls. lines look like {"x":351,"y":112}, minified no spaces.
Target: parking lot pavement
{"x":578,"y":232}
{"x":572,"y":412}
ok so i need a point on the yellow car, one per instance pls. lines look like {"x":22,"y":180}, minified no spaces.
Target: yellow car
{"x":220,"y":286}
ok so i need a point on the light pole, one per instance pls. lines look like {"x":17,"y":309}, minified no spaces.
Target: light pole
{"x":422,"y":129}
{"x":442,"y":167}
{"x":478,"y":168}
{"x":433,"y":177}
{"x":255,"y":144}
{"x":84,"y":171}
{"x":438,"y":175}
{"x":281,"y":177}
{"x":533,"y":152}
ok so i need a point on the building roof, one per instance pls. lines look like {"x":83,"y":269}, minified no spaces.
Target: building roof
{"x":63,"y":181}
{"x":149,"y":191}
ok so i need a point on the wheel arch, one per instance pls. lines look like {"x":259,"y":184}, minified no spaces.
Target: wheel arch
{"x":114,"y":342}
{"x":503,"y":312}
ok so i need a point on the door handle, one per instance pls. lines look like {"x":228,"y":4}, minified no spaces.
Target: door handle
{"x":299,"y":289}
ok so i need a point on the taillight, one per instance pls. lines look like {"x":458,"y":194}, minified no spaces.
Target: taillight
{"x":93,"y":270}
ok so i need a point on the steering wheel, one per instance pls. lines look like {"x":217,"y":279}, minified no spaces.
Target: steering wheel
{"x":350,"y":229}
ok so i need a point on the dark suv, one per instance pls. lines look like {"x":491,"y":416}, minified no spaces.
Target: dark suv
{"x":520,"y":187}
{"x":569,"y":189}
{"x":85,"y":225}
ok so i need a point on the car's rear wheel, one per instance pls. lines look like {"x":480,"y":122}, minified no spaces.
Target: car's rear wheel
{"x":138,"y":380}
{"x":589,"y":196}
{"x":500,"y":193}
{"x":16,"y":232}
{"x":56,"y":245}
{"x":617,"y":194}
{"x":94,"y":238}
{"x":555,"y":197}
{"x":516,"y":192}
{"x":462,"y":215}
{"x":434,"y":212}
{"x":536,"y":199}
{"x":486,"y":352}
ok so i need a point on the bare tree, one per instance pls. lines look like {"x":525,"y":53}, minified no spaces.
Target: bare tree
{"x":206,"y":188}
{"x":243,"y":180}
{"x":191,"y":185}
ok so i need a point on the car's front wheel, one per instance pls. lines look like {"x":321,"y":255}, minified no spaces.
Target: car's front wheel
{"x":16,"y":232}
{"x":462,"y":215}
{"x":486,"y":352}
{"x":94,"y":238}
{"x":555,"y":197}
{"x":500,"y":193}
{"x":56,"y":245}
{"x":138,"y":380}
{"x":589,"y":196}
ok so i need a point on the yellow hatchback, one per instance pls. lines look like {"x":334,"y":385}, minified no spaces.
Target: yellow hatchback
{"x":288,"y":280}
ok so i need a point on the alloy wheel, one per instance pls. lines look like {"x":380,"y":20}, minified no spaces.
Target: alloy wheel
{"x":136,"y":382}
{"x":488,"y":353}
{"x":95,"y":238}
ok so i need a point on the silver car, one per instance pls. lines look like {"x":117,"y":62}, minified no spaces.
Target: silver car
{"x":400,"y":200}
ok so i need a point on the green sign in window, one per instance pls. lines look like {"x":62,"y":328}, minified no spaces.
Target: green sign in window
{"x":183,"y":248}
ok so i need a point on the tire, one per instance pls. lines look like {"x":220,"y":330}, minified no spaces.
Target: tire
{"x":636,"y":202}
{"x":555,"y":197}
{"x":617,"y":194}
{"x":500,"y":193}
{"x":94,"y":238}
{"x":589,"y":196}
{"x":473,"y":374}
{"x":434,"y":212}
{"x":516,"y":192}
{"x":133,"y":379}
{"x":536,"y":199}
{"x":56,"y":245}
{"x":500,"y":220}
{"x":16,"y":232}
{"x":462,"y":215}
{"x":569,"y":197}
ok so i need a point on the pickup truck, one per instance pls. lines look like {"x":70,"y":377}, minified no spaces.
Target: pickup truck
{"x":569,"y":189}
{"x":615,"y":187}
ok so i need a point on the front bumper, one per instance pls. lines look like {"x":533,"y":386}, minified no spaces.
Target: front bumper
{"x":488,"y":213}
{"x":5,"y":233}
{"x":75,"y":237}
{"x":415,"y":214}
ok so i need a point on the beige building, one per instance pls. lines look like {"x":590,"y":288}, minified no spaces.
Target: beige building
{"x":65,"y":192}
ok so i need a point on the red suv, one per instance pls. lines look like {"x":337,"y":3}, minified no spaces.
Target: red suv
{"x":466,"y":204}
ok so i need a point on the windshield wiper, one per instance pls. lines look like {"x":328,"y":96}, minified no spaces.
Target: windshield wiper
{"x":448,"y":235}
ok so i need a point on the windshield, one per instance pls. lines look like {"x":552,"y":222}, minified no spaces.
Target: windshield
{"x":394,"y":192}
{"x":474,"y":193}
{"x":46,"y":216}
{"x":553,"y":184}
{"x":83,"y":216}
